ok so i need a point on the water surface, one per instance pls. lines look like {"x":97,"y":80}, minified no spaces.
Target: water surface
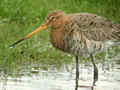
{"x":35,"y":77}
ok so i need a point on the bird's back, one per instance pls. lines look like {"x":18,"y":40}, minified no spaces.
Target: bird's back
{"x":89,"y":33}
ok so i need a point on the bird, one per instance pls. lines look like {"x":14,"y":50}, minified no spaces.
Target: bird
{"x":80,"y":34}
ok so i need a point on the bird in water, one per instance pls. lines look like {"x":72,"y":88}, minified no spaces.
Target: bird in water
{"x":80,"y":34}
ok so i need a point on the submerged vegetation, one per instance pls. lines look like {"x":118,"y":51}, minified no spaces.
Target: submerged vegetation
{"x":19,"y":17}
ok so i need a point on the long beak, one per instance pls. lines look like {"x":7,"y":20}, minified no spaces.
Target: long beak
{"x":42,"y":27}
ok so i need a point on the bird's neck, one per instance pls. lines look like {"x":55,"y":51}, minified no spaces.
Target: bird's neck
{"x":57,"y":38}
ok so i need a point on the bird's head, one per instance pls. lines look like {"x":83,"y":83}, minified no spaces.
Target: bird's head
{"x":53,"y":20}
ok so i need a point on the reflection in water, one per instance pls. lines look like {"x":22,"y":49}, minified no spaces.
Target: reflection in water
{"x":36,"y":78}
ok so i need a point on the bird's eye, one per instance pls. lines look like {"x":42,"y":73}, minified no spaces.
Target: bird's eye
{"x":52,"y":18}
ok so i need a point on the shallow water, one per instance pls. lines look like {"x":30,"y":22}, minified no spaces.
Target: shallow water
{"x":36,"y":78}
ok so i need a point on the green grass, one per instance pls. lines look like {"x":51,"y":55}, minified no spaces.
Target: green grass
{"x":19,"y":17}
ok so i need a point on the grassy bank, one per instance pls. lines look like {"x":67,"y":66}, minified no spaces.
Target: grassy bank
{"x":19,"y":17}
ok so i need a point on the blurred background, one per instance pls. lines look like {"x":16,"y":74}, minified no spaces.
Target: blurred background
{"x":19,"y":17}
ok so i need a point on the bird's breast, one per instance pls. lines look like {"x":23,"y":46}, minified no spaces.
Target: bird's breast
{"x":57,"y":39}
{"x":75,"y":44}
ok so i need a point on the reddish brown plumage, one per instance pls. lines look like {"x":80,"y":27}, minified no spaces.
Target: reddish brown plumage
{"x":58,"y":31}
{"x":58,"y":39}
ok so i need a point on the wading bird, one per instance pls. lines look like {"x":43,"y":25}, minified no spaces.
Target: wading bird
{"x":80,"y":34}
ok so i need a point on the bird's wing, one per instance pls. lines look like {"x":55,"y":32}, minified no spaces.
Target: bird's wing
{"x":93,"y":27}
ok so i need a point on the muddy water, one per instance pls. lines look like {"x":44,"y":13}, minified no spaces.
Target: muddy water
{"x":36,"y":78}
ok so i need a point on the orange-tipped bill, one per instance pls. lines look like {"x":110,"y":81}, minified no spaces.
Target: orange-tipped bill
{"x":42,"y":27}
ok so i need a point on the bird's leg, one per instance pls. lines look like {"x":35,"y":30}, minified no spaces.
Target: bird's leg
{"x":95,"y":78}
{"x":77,"y":72}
